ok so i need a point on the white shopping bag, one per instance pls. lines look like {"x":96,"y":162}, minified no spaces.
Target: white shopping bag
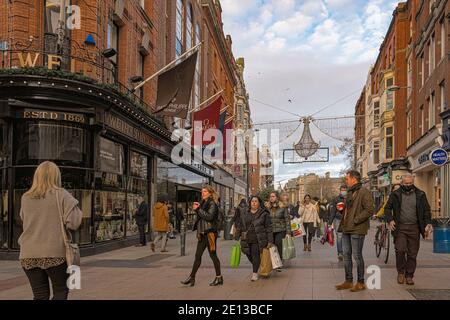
{"x":275,"y":258}
{"x":232,"y":230}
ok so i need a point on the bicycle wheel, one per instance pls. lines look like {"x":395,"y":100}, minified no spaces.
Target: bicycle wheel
{"x":377,"y":243}
{"x":387,"y":245}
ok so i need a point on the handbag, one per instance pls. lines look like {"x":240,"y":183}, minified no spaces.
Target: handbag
{"x":235,"y":256}
{"x":288,"y":248}
{"x":331,"y":237}
{"x":72,"y":249}
{"x":265,"y":267}
{"x":275,"y":258}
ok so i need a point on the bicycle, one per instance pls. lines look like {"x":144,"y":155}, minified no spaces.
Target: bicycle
{"x":383,"y":240}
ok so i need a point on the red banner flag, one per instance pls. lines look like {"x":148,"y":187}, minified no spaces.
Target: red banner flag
{"x":207,"y":118}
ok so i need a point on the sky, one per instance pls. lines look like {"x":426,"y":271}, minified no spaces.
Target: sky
{"x":303,"y":55}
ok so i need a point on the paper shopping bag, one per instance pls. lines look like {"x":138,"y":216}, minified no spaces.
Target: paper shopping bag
{"x":275,"y":258}
{"x":265,"y":268}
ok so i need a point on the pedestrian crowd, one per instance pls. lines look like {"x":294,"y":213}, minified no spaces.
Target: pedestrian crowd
{"x":264,"y":228}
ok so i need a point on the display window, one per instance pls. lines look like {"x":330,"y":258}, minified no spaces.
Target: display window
{"x":110,"y":201}
{"x":65,"y":144}
{"x":138,"y":184}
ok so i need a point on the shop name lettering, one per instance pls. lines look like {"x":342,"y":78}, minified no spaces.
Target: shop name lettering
{"x":48,"y":115}
{"x":53,"y":61}
{"x":131,"y":131}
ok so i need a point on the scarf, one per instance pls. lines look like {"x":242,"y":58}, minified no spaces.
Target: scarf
{"x":350,"y":194}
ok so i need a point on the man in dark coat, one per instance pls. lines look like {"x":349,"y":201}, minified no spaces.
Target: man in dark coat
{"x":408,"y":214}
{"x":141,"y":214}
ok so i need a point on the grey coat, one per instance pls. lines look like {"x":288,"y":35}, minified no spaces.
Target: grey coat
{"x":281,"y":221}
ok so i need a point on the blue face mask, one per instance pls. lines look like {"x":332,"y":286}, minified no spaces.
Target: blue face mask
{"x":343,"y":193}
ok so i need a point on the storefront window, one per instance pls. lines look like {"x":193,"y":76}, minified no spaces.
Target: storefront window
{"x":66,"y":145}
{"x":110,"y":195}
{"x":74,"y":181}
{"x":181,"y":186}
{"x":137,"y":185}
{"x":111,"y":157}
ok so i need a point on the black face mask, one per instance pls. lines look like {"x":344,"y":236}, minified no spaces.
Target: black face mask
{"x":407,"y":188}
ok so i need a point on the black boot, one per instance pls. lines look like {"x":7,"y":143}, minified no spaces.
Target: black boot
{"x":218,"y":281}
{"x":189,"y":281}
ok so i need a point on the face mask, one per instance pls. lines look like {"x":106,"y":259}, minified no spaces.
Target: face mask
{"x":343,"y":193}
{"x":407,"y":188}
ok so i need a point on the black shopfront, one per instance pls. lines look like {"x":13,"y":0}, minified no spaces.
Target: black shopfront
{"x":104,"y":145}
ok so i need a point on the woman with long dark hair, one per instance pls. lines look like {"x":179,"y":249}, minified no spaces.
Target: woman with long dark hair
{"x":206,"y":225}
{"x":254,"y":228}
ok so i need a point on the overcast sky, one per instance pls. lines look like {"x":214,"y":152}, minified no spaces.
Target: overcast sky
{"x":312,"y":52}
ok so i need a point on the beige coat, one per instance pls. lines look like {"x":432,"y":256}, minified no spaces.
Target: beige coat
{"x":42,"y":235}
{"x":308,"y":214}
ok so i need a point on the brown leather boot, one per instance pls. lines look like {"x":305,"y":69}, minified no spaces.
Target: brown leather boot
{"x":358,"y":287}
{"x":409,"y":281}
{"x":401,"y":278}
{"x":305,"y":247}
{"x":345,"y":286}
{"x":309,"y":247}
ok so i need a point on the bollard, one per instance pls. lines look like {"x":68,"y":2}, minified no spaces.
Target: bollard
{"x":183,"y":237}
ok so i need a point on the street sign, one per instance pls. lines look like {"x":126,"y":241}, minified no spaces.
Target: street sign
{"x":439,"y":157}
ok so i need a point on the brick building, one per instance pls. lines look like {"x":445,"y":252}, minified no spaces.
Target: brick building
{"x":65,"y":93}
{"x":430,"y":26}
{"x":409,"y":100}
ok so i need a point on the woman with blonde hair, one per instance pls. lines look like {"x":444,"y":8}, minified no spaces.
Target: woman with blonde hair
{"x":42,"y":248}
{"x":206,"y":225}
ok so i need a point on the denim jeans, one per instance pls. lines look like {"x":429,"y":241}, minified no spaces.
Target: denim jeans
{"x":337,"y":222}
{"x":352,"y":245}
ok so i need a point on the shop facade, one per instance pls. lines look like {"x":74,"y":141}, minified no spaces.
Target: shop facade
{"x":182,"y":185}
{"x":445,"y":170}
{"x":428,"y":177}
{"x":223,"y":183}
{"x":104,"y":145}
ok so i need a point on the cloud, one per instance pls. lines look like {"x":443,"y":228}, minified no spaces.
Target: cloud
{"x":320,"y":50}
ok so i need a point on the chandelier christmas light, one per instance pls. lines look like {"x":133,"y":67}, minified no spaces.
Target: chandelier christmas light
{"x":306,"y":147}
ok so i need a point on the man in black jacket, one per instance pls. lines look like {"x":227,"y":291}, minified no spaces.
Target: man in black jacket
{"x":141,"y":214}
{"x":337,"y":208}
{"x":408,"y":215}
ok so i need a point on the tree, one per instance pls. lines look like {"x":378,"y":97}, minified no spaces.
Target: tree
{"x":265,"y":193}
{"x":348,"y":149}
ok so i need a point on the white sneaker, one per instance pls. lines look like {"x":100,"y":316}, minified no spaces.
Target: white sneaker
{"x":255,"y":277}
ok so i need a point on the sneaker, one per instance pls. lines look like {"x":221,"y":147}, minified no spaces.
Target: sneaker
{"x":165,"y":250}
{"x":409,"y":281}
{"x":254,"y":277}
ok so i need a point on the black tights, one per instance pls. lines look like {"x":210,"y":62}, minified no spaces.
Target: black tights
{"x":201,"y":247}
{"x":39,"y":281}
{"x":254,"y":257}
{"x":309,"y":232}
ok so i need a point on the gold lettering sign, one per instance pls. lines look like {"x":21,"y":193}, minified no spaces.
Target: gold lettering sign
{"x":52,"y":115}
{"x":134,"y":133}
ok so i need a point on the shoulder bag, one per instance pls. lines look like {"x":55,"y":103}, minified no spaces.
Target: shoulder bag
{"x":72,"y":249}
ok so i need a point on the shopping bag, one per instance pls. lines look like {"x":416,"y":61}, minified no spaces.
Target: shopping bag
{"x":288,"y":248}
{"x":330,"y":237}
{"x":275,"y":258}
{"x":265,"y":268}
{"x":295,"y":224}
{"x":232,"y":230}
{"x":300,"y":232}
{"x":235,"y":256}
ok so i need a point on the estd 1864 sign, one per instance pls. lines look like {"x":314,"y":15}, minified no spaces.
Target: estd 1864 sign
{"x":439,"y":157}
